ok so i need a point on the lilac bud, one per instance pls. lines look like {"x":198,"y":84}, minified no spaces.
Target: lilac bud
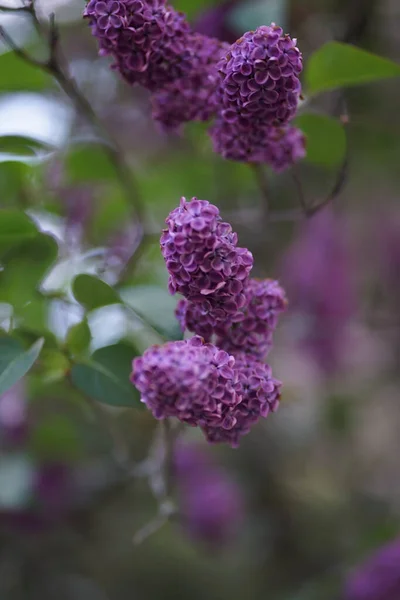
{"x":279,"y":147}
{"x":190,"y":380}
{"x":378,"y":578}
{"x":211,"y":505}
{"x":204,"y":262}
{"x":147,"y":39}
{"x":259,"y":78}
{"x":193,"y":97}
{"x":260,"y":396}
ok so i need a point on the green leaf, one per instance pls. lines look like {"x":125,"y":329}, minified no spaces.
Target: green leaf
{"x":106,"y":377}
{"x":145,"y":300}
{"x":326,"y":139}
{"x":78,"y":338}
{"x":93,"y":293}
{"x":54,"y":365}
{"x":24,"y":269}
{"x":22,"y":146}
{"x":15,"y":227}
{"x":15,"y":362}
{"x":89,"y":162}
{"x":17,"y":75}
{"x":336,"y":65}
{"x":14,"y":177}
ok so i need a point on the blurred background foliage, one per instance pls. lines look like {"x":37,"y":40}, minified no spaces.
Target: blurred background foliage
{"x":319,"y":481}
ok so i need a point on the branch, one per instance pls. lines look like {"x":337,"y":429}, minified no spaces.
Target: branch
{"x":54,"y":66}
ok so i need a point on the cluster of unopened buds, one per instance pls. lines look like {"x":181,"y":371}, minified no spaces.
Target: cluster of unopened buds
{"x":251,"y":89}
{"x":218,"y":379}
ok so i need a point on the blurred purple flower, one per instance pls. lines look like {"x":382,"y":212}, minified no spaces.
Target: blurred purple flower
{"x":13,"y":416}
{"x":378,"y":578}
{"x":211,"y":504}
{"x":318,"y":276}
{"x":53,"y":489}
{"x":79,"y":206}
{"x":214,"y":22}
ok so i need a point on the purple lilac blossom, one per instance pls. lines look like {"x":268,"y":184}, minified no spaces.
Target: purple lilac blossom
{"x":378,"y":578}
{"x":148,"y":39}
{"x":211,"y":505}
{"x":252,"y":333}
{"x":193,"y":97}
{"x":259,"y":78}
{"x":260,"y":396}
{"x":190,"y":380}
{"x":318,"y":275}
{"x":279,"y":147}
{"x":204,"y":262}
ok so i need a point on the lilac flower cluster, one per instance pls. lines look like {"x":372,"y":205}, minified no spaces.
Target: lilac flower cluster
{"x":258,"y":94}
{"x":252,"y":330}
{"x":252,"y":87}
{"x":148,"y":39}
{"x":204,"y":262}
{"x":190,"y":380}
{"x":221,"y":387}
{"x":193,"y":97}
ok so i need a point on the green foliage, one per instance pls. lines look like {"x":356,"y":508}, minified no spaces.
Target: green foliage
{"x":15,"y":227}
{"x":89,"y":162}
{"x":22,"y":146}
{"x":326,"y":139}
{"x":105,"y":377}
{"x":17,"y":75}
{"x":93,"y":293}
{"x":14,"y":177}
{"x":25,"y":268}
{"x":78,"y":338}
{"x":338,"y":65}
{"x":15,"y":362}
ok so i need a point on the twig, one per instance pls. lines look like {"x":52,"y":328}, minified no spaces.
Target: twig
{"x":300,"y":192}
{"x":53,"y":66}
{"x":159,"y":470}
{"x":263,"y":186}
